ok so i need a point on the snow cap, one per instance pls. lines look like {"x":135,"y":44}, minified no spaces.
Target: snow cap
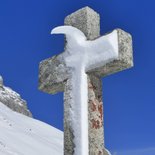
{"x":1,"y":81}
{"x":70,"y":31}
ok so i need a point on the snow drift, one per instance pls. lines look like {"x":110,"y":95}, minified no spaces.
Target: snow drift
{"x":22,"y":135}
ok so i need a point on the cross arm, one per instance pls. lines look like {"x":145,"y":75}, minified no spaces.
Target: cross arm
{"x":52,"y":74}
{"x":124,"y":60}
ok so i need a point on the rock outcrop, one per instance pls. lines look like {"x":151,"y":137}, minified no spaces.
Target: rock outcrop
{"x":13,"y":100}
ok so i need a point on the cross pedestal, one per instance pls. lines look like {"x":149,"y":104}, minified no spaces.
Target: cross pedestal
{"x":55,"y":76}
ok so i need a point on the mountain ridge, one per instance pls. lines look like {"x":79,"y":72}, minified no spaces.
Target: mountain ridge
{"x":13,"y":100}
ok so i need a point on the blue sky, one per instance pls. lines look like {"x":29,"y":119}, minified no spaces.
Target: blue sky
{"x":129,"y":96}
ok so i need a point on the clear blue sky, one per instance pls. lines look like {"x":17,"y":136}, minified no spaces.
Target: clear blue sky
{"x":129,"y":96}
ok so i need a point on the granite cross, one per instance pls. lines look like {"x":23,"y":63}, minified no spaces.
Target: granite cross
{"x":78,"y":72}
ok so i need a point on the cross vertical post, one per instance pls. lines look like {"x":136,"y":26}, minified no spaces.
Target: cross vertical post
{"x":88,"y":21}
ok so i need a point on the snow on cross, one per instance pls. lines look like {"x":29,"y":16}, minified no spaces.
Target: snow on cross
{"x":77,"y":72}
{"x":86,"y":54}
{"x":81,"y":55}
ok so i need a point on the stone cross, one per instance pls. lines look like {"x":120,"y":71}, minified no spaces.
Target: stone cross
{"x":83,"y":123}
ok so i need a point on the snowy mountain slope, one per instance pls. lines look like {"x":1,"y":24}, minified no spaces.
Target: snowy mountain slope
{"x":22,"y":135}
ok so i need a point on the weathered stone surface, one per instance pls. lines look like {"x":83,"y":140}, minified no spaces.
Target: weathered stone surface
{"x":52,"y":74}
{"x":96,"y":133}
{"x":125,"y":59}
{"x":86,"y":20}
{"x":68,"y":131}
{"x":13,"y":100}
